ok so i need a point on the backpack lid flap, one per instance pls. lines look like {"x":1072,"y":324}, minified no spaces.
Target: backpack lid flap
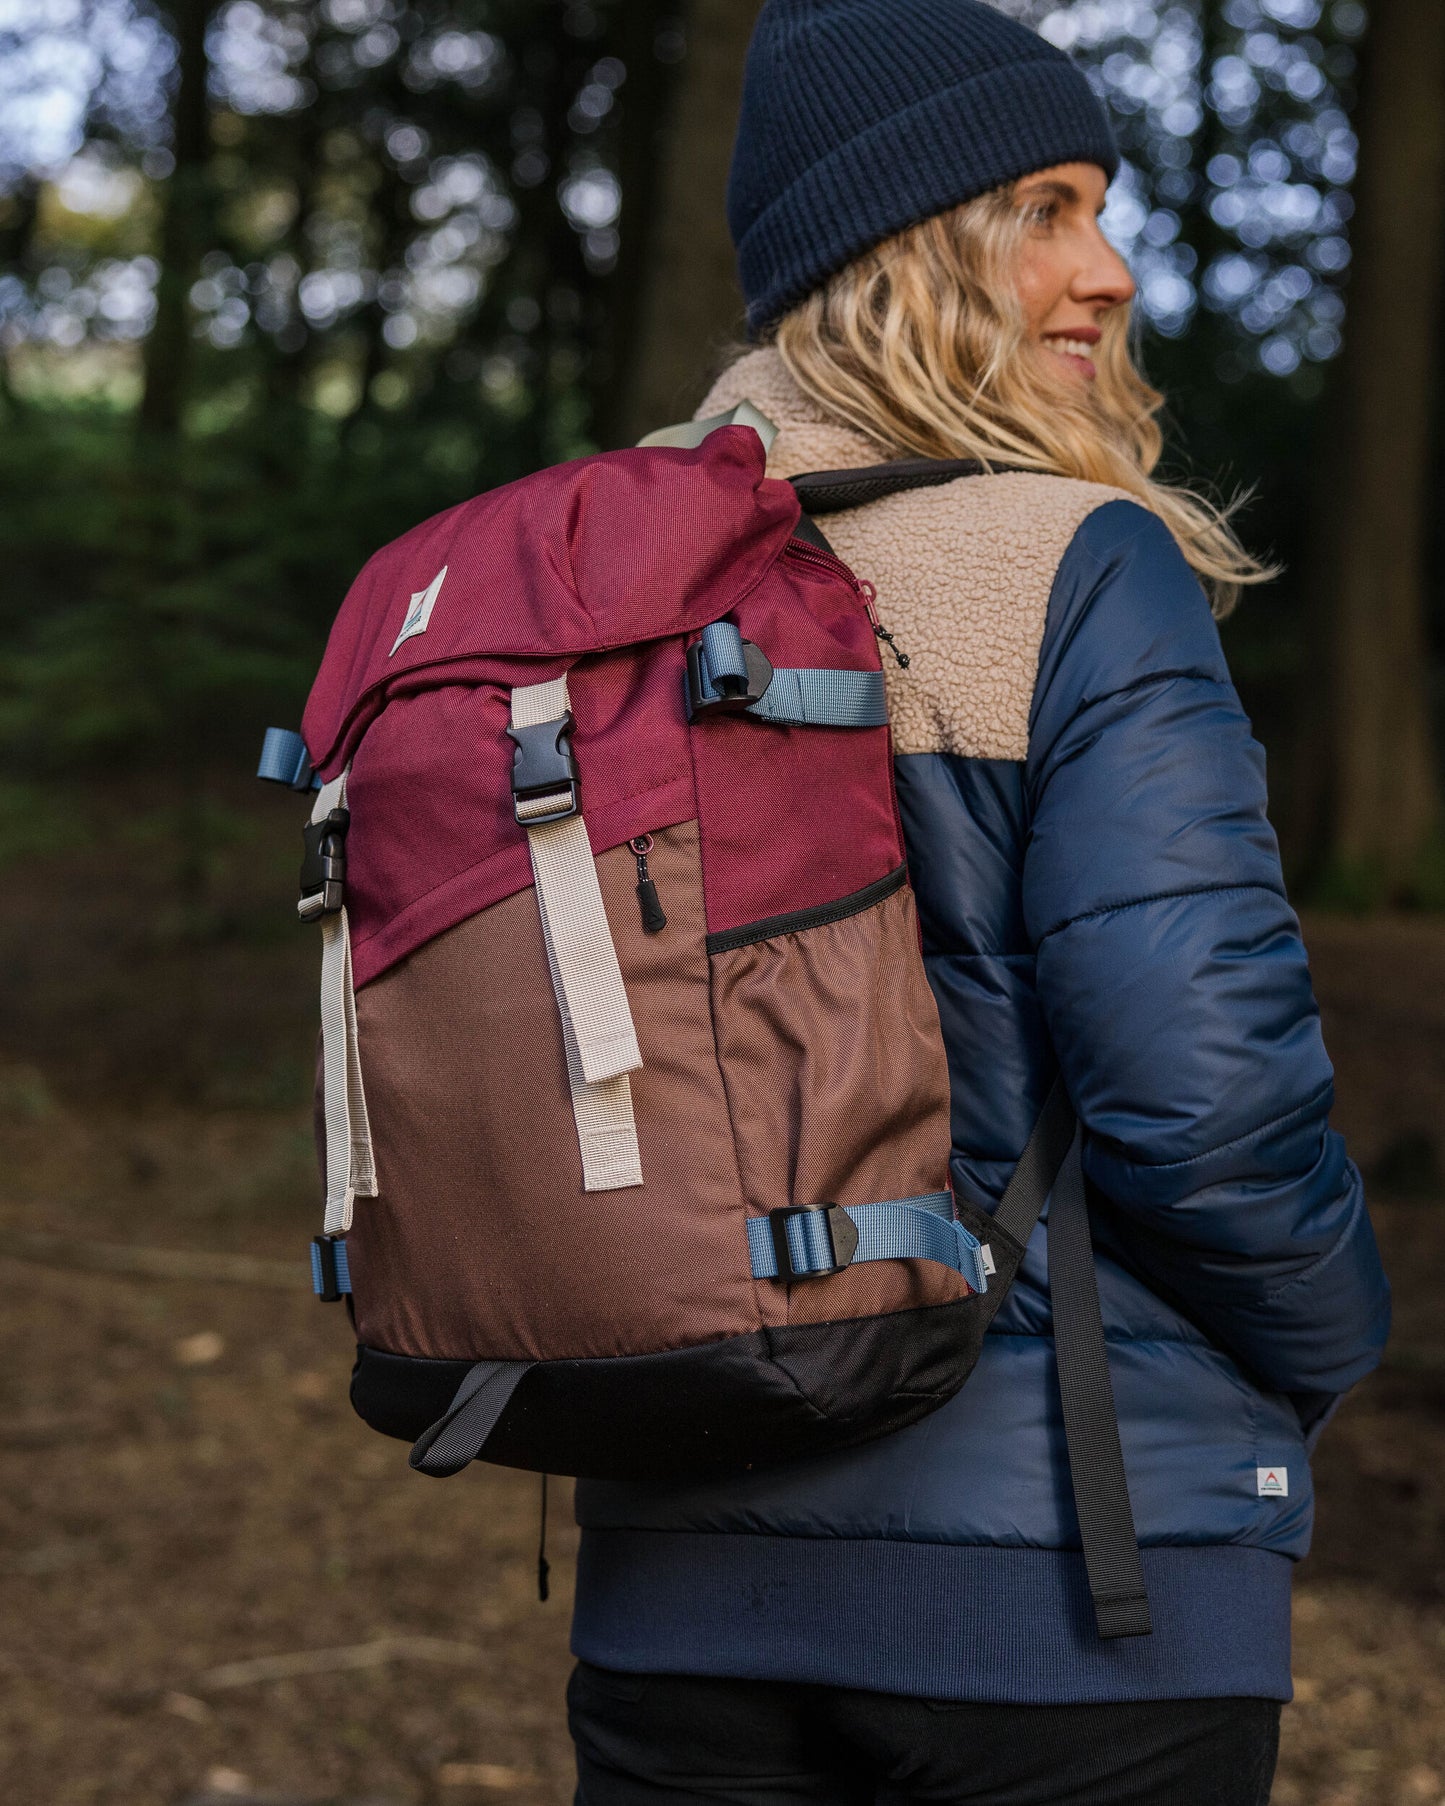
{"x":605,"y":551}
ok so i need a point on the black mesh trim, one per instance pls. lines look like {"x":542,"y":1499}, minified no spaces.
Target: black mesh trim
{"x":831,"y":491}
{"x":811,"y":534}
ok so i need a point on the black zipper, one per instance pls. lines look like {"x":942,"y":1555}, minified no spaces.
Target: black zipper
{"x":648,"y":901}
{"x":820,"y":915}
{"x":801,"y":548}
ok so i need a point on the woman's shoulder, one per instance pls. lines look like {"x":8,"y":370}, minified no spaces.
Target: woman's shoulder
{"x":965,"y":572}
{"x":1125,"y":610}
{"x":982,"y":580}
{"x":1021,"y":521}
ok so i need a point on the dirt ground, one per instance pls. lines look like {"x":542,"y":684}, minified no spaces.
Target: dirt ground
{"x":216,"y":1586}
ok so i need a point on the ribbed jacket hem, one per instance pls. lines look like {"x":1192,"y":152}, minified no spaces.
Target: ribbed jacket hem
{"x":937,"y":1621}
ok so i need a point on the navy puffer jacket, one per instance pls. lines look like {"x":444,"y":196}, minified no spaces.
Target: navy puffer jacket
{"x":1100,"y":892}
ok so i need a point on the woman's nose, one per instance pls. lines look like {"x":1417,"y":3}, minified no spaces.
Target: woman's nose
{"x":1103,"y":276}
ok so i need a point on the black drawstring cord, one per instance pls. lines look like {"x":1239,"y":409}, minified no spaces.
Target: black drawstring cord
{"x":543,"y":1566}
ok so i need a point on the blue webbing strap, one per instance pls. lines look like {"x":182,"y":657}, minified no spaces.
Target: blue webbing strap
{"x":824,"y":699}
{"x":794,"y":697}
{"x":920,"y":1228}
{"x":285,"y":760}
{"x":722,"y":653}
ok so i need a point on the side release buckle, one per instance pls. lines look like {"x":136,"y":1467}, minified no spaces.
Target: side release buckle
{"x":544,"y":772}
{"x":829,"y":1240}
{"x":323,"y":866}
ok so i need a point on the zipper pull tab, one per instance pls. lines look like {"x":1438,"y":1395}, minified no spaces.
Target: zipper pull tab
{"x":653,"y":919}
{"x":870,"y":602}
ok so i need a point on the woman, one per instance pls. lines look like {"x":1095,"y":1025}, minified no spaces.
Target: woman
{"x":915,"y":198}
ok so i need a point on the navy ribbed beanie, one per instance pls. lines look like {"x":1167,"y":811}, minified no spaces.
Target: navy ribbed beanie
{"x":860,"y":117}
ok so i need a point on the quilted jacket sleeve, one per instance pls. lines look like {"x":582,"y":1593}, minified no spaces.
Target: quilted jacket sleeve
{"x":1173,"y":978}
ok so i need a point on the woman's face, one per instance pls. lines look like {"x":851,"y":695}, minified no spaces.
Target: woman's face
{"x":1070,"y":276}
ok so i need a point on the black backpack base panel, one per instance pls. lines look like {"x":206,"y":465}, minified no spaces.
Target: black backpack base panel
{"x":774,"y":1395}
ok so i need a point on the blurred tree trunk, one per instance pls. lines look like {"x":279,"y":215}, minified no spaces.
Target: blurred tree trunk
{"x":184,"y":210}
{"x":1386,"y":793}
{"x":645,"y":112}
{"x":289,"y":357}
{"x":546,"y":266}
{"x":17,"y":238}
{"x":689,"y":306}
{"x":391,"y":227}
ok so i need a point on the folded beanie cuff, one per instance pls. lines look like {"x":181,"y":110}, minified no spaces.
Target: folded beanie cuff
{"x":955,"y":144}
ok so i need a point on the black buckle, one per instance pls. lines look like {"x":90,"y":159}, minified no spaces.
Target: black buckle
{"x":543,"y":765}
{"x":323,"y":865}
{"x":842,"y":1239}
{"x":728,"y":694}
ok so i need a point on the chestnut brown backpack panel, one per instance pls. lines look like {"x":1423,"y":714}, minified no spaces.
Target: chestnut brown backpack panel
{"x":466,"y":1082}
{"x":838,"y":1088}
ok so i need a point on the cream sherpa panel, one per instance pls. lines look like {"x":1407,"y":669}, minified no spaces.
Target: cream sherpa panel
{"x":963,"y":572}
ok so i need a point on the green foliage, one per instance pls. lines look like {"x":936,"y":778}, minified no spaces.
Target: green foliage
{"x":382,"y":265}
{"x":167,"y":603}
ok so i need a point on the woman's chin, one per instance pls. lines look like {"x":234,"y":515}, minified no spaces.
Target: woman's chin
{"x":1074,"y":369}
{"x":1070,"y":378}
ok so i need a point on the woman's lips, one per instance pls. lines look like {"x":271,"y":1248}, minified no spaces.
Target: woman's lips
{"x":1074,"y":349}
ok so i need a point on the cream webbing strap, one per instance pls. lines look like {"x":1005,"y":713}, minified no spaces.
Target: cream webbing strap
{"x":350,"y":1165}
{"x":597,"y":1027}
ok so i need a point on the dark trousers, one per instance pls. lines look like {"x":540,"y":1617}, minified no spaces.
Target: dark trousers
{"x":651,"y":1740}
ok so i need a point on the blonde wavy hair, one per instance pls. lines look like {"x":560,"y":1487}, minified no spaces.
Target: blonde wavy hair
{"x":921,"y":345}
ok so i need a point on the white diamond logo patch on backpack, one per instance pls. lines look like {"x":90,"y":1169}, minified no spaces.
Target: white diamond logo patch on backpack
{"x":418,"y":615}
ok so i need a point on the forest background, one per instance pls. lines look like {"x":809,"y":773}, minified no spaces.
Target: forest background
{"x":279,"y":278}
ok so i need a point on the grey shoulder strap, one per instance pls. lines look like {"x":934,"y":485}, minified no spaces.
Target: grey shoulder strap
{"x":1052,"y":1165}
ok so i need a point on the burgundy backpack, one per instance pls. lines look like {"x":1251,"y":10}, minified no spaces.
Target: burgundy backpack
{"x":636,"y":1108}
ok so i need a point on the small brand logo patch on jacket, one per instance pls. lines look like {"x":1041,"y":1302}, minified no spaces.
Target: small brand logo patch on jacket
{"x":418,"y":615}
{"x":1272,"y":1482}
